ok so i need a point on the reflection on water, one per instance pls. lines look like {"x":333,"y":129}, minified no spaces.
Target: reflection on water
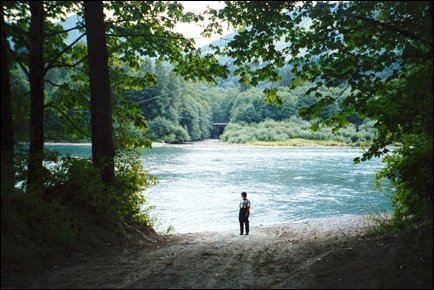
{"x":199,"y":185}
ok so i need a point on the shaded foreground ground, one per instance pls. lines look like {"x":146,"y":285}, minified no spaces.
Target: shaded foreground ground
{"x":329,"y":253}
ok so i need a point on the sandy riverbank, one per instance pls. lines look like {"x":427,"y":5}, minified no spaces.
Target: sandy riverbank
{"x":323,"y":253}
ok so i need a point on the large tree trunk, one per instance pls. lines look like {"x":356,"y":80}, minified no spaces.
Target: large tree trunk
{"x":7,"y":133}
{"x":101,"y":106}
{"x":36,"y":79}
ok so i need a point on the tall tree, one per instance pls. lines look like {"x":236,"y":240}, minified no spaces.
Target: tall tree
{"x":36,"y":57}
{"x":7,"y":134}
{"x":99,"y":85}
{"x":36,"y":79}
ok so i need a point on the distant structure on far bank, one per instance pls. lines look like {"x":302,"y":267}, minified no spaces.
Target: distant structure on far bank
{"x":217,"y":130}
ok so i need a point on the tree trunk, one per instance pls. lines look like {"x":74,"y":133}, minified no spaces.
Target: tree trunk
{"x":7,"y":133}
{"x":101,"y":106}
{"x":36,"y":79}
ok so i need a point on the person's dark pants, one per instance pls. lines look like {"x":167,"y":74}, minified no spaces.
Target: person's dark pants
{"x":243,"y":219}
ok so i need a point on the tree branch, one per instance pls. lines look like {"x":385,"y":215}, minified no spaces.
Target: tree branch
{"x":70,"y":65}
{"x":17,"y":29}
{"x":117,"y":21}
{"x":149,"y":35}
{"x":50,"y":104}
{"x":53,"y":84}
{"x":23,"y":67}
{"x":63,"y":31}
{"x":50,"y":65}
{"x":393,"y":28}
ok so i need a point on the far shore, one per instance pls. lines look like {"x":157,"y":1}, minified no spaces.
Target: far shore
{"x":60,"y":143}
{"x":288,"y":143}
{"x":291,"y":143}
{"x":67,"y":144}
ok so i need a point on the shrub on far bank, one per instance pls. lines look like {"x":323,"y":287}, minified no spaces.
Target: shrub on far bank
{"x":163,"y":130}
{"x":294,"y":128}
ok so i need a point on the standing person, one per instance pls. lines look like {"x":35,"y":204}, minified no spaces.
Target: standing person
{"x":243,"y":216}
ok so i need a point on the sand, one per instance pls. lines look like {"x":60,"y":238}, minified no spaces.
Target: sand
{"x":322,"y":253}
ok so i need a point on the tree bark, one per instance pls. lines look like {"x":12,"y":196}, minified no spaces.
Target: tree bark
{"x":36,"y":79}
{"x":101,"y":106}
{"x":7,"y":133}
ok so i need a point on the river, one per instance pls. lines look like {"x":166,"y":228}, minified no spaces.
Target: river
{"x":199,"y":184}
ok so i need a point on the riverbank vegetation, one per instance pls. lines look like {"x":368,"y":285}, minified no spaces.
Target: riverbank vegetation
{"x":74,"y":212}
{"x":352,"y":72}
{"x":288,"y":131}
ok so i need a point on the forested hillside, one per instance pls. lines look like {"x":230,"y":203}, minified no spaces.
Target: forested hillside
{"x":178,"y":111}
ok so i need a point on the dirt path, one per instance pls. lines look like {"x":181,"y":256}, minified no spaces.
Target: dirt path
{"x":333,"y":253}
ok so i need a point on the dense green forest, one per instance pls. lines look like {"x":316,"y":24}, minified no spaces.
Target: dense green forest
{"x":178,"y":111}
{"x":353,"y":72}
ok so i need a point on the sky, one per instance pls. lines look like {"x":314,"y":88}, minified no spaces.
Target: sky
{"x":193,"y":30}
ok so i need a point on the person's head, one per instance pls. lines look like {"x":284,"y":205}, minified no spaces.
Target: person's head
{"x":244,"y":194}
